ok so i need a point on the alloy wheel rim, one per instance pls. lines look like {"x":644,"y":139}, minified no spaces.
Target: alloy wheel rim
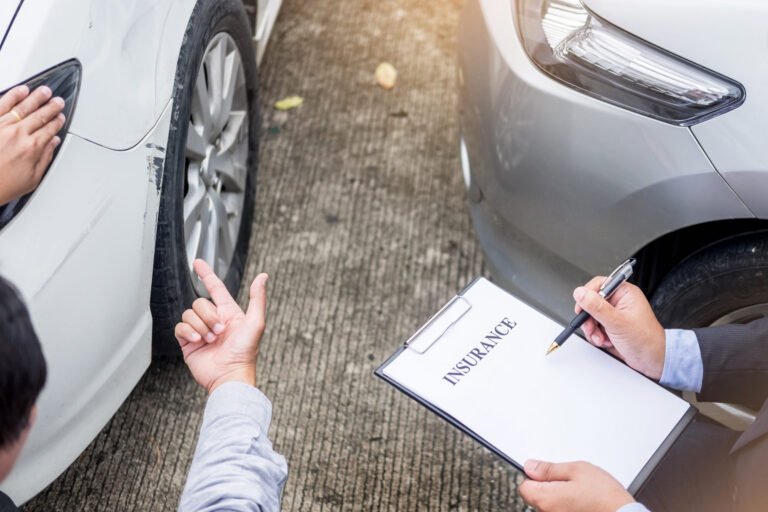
{"x":743,"y":315}
{"x":216,"y":158}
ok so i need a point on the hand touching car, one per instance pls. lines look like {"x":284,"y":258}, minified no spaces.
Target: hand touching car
{"x":572,"y":487}
{"x":29,"y":123}
{"x":219,"y":341}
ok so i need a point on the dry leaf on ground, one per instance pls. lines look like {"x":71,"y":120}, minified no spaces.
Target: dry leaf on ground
{"x":289,"y":102}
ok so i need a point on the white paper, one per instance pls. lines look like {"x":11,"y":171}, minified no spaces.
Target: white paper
{"x":578,"y":403}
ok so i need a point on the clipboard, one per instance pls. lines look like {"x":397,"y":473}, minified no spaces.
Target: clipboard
{"x":447,"y":318}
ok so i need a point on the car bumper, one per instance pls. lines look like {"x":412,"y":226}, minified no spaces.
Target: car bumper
{"x":563,"y":186}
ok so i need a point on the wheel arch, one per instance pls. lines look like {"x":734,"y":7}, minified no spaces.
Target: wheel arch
{"x":657,"y":258}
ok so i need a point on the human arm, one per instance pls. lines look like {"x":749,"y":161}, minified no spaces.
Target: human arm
{"x":29,"y":123}
{"x":629,"y":330}
{"x":235,"y":467}
{"x":726,"y":363}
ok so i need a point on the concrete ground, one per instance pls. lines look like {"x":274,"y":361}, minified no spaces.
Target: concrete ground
{"x":362,"y":224}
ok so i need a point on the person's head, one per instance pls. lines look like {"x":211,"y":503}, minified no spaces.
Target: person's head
{"x":22,"y":375}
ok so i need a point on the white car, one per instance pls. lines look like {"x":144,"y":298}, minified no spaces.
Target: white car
{"x":156,"y":167}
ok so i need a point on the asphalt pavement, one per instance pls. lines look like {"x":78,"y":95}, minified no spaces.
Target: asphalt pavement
{"x":362,"y":223}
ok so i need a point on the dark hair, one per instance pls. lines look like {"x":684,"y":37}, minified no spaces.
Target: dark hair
{"x":22,"y":365}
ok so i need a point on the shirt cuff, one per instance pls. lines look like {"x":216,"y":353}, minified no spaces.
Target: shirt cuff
{"x":683,"y":366}
{"x":633,"y":507}
{"x":238,"y":399}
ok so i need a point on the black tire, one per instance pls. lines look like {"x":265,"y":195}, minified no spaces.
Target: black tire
{"x":172,"y":283}
{"x":716,"y":285}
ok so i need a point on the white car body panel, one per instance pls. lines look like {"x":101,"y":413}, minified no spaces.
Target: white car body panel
{"x":81,"y":251}
{"x":7,"y":10}
{"x":134,"y":88}
{"x":84,"y":267}
{"x":730,"y":38}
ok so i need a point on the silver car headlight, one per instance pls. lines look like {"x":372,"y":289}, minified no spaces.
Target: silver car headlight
{"x":574,"y":46}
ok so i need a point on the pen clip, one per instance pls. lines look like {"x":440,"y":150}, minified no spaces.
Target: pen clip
{"x":620,"y":268}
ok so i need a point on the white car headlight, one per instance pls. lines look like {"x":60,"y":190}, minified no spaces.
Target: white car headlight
{"x":574,"y":46}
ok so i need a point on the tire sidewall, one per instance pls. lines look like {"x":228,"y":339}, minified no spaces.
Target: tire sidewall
{"x":717,"y":281}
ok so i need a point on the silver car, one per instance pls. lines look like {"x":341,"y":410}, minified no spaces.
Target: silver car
{"x":595,"y":130}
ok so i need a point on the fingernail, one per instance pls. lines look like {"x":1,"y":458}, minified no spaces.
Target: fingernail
{"x":61,"y":117}
{"x":58,"y":100}
{"x":24,"y":89}
{"x":194,"y":337}
{"x":46,"y":90}
{"x":56,"y":141}
{"x":596,"y":339}
{"x":579,"y":292}
{"x":531,"y":465}
{"x":209,"y":337}
{"x":218,"y":328}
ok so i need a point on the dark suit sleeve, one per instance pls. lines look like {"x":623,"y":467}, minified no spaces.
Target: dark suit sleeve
{"x":735,"y":361}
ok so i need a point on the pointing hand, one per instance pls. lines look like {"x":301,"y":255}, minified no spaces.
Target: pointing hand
{"x":219,"y":341}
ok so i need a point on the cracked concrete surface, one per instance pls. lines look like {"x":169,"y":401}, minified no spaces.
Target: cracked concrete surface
{"x":362,"y":223}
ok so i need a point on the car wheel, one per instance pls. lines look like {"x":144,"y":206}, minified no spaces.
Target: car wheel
{"x":724,"y":284}
{"x":206,"y":204}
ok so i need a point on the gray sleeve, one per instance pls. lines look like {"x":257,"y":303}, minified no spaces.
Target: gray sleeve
{"x":235,"y":467}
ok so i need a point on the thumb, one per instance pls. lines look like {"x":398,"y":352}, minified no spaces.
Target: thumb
{"x":549,"y":471}
{"x":256,"y":313}
{"x":599,"y":308}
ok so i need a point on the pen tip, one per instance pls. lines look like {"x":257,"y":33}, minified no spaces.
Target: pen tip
{"x":554,"y":346}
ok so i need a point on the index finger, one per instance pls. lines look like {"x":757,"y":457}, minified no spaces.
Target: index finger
{"x":594,"y":284}
{"x":219,"y":293}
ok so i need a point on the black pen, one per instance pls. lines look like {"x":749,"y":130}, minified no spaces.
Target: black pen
{"x":611,"y":284}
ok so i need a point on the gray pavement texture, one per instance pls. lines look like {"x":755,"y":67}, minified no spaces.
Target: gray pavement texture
{"x":362,"y":224}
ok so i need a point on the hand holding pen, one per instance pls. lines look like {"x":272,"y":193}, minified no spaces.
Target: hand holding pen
{"x":624,"y":325}
{"x":607,"y":288}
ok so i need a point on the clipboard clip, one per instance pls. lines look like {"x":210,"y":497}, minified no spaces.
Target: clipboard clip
{"x":438,"y":325}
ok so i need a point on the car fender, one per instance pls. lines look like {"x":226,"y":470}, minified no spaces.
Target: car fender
{"x":128,"y":51}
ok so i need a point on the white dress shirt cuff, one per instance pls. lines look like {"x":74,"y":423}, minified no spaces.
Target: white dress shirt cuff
{"x":683,"y":366}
